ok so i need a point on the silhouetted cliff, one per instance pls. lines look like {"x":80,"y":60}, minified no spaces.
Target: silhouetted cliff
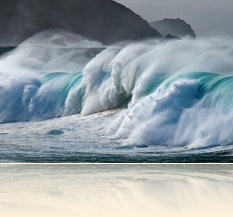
{"x":175,"y":27}
{"x":102,"y":20}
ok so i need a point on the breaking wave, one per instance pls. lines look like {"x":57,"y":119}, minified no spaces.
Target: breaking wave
{"x":171,"y":93}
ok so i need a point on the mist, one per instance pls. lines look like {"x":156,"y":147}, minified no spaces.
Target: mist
{"x":207,"y":17}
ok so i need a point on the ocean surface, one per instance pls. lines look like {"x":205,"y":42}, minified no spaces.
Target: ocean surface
{"x":68,"y":99}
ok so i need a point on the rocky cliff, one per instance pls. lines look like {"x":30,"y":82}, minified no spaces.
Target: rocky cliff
{"x":102,"y":20}
{"x":175,"y":27}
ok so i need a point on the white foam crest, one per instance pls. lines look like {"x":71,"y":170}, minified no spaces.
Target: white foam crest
{"x":201,"y":127}
{"x":154,"y":118}
{"x":128,"y":70}
{"x":172,"y":116}
{"x":28,"y":91}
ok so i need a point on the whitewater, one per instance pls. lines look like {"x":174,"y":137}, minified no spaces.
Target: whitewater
{"x":65,"y":98}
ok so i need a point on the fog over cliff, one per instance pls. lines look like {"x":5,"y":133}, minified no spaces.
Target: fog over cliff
{"x":176,"y":27}
{"x":207,"y":17}
{"x":104,"y":20}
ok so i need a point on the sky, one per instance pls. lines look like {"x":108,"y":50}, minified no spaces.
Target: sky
{"x":205,"y":16}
